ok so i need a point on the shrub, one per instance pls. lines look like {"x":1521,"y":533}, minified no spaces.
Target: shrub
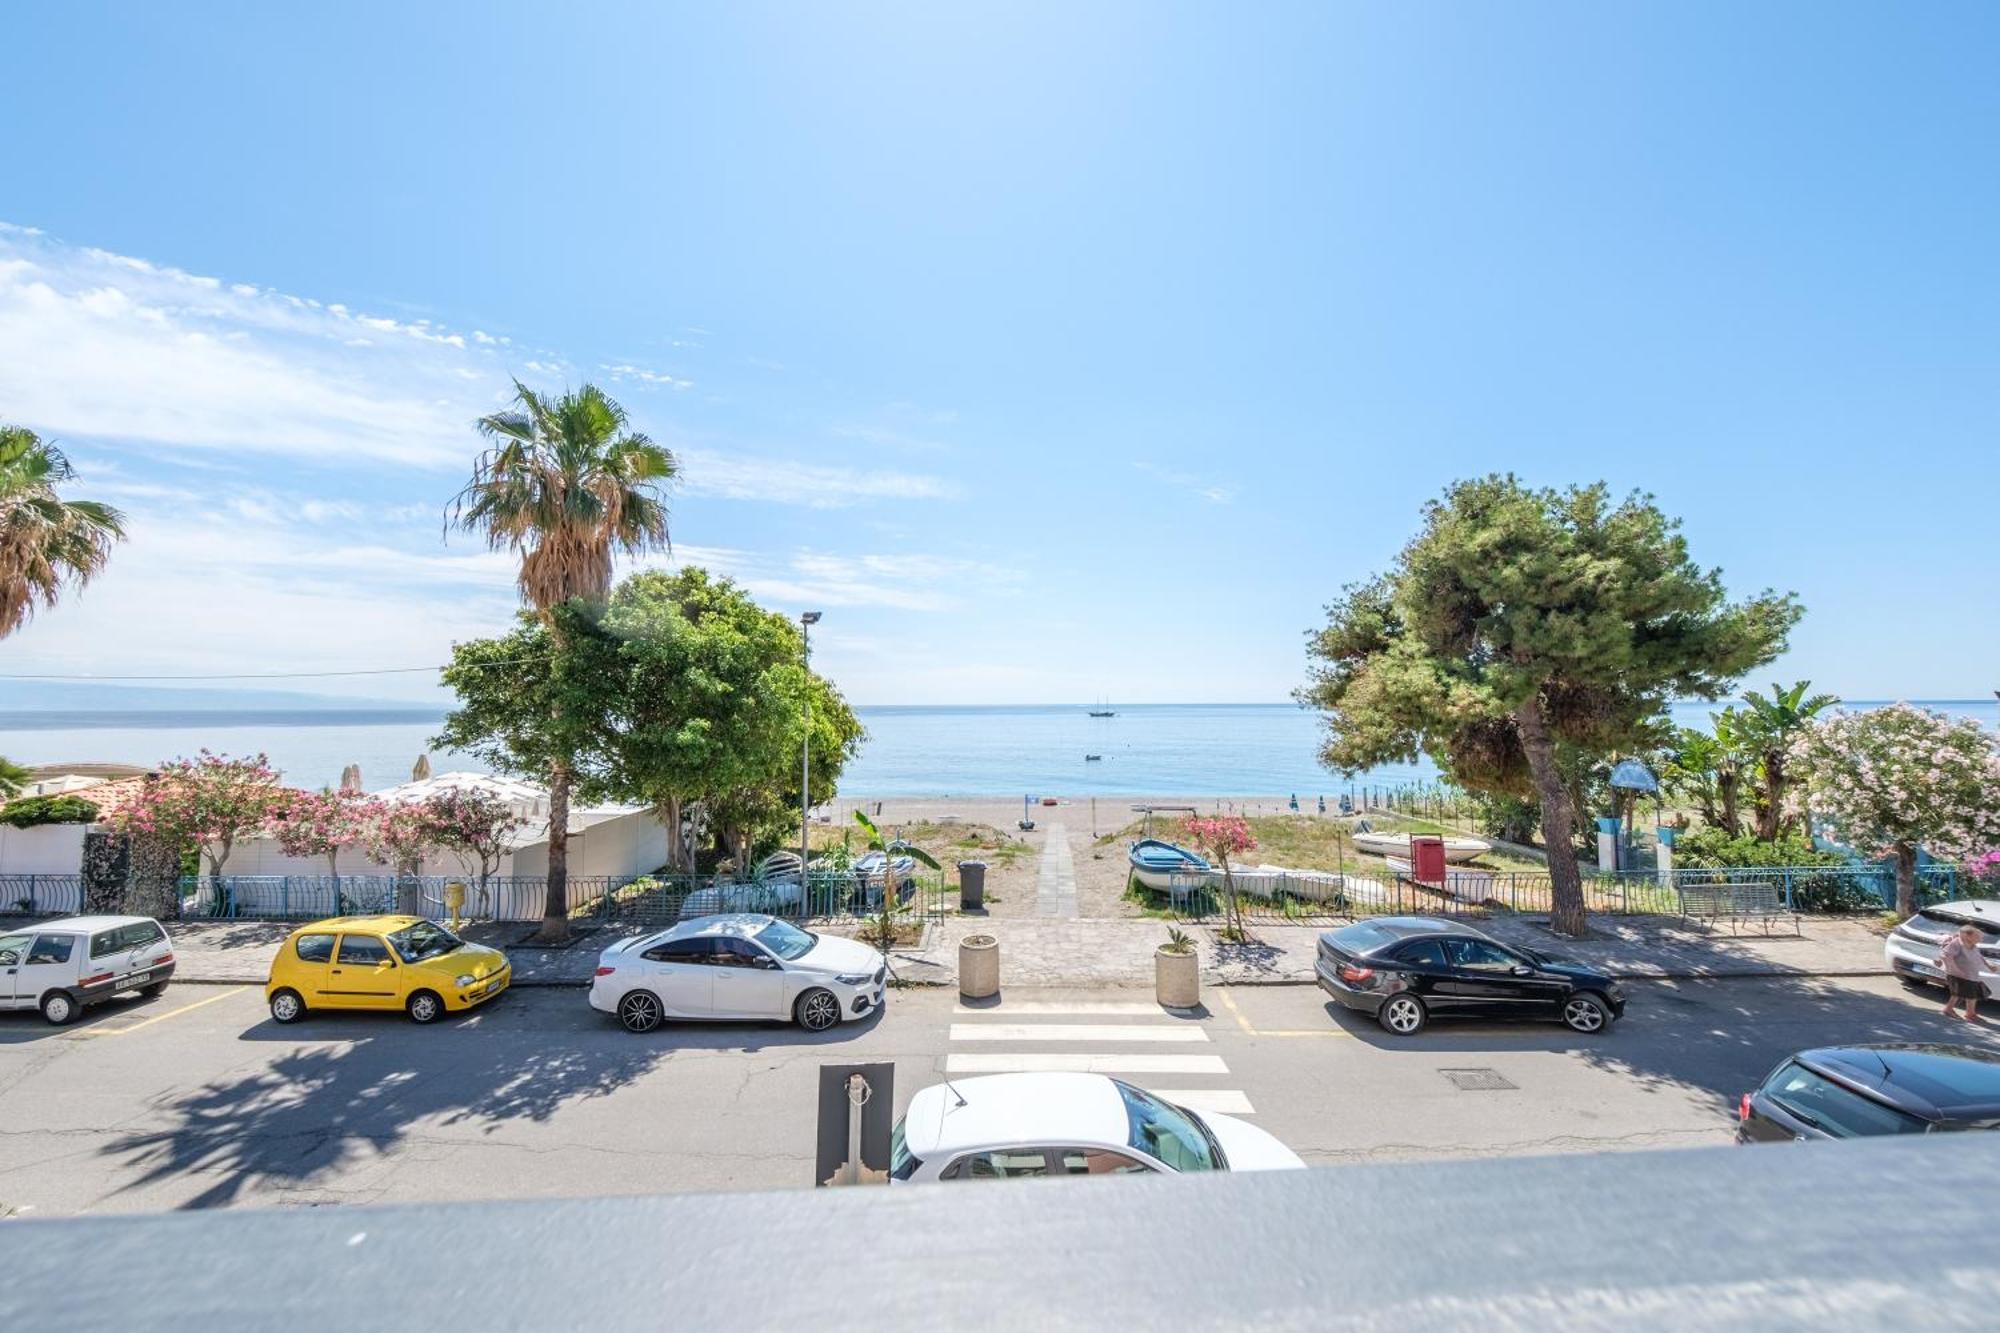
{"x":1714,"y":847}
{"x":30,"y":811}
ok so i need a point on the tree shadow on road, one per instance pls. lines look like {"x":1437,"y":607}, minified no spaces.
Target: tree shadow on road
{"x":1715,"y":1039}
{"x":350,"y":1088}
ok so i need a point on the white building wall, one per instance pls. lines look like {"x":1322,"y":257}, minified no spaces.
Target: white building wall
{"x":263,"y":856}
{"x":47,"y":849}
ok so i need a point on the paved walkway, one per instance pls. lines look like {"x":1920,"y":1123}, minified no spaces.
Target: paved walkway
{"x":1063,"y":950}
{"x":1055,"y":887}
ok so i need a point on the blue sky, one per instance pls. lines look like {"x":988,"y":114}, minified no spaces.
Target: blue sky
{"x":1055,"y":352}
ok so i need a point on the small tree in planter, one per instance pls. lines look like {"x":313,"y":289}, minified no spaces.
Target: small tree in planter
{"x":1221,"y":837}
{"x":398,"y":837}
{"x":323,"y":823}
{"x":883,"y":924}
{"x":1892,"y":780}
{"x":478,"y":826}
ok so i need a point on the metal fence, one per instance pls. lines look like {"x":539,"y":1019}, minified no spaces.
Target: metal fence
{"x":41,"y":895}
{"x":1471,"y":891}
{"x":632,"y":899}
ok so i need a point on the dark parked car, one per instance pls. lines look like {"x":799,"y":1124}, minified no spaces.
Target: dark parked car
{"x":1846,"y":1092}
{"x":1407,"y":970}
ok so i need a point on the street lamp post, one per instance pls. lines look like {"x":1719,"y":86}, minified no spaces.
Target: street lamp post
{"x":807,"y":619}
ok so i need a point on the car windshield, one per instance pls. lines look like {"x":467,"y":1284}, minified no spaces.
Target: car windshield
{"x":1944,"y":921}
{"x":1165,"y":1131}
{"x":1825,"y":1105}
{"x":787,"y":940}
{"x":426,"y":939}
{"x":901,"y":1164}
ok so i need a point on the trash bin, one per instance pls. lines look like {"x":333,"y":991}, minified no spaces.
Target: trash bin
{"x":972,"y":885}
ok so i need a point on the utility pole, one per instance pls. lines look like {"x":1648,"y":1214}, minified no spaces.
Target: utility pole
{"x":807,"y":619}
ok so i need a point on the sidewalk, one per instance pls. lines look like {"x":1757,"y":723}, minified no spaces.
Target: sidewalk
{"x":1055,"y":951}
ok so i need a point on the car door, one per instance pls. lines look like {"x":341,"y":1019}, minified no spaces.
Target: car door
{"x":50,"y":964}
{"x":1483,"y":979}
{"x":363,"y":975}
{"x":680,"y":973}
{"x":748,"y":981}
{"x":310,"y":967}
{"x":1425,"y":972}
{"x":13,"y":952}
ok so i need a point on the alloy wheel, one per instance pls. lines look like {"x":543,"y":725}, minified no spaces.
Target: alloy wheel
{"x":285,"y":1006}
{"x":1584,"y":1015}
{"x":819,"y":1011}
{"x":639,"y":1012}
{"x":1403,"y":1016}
{"x":425,"y":1007}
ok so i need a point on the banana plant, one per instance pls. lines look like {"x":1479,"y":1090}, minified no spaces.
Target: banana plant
{"x":885,"y":921}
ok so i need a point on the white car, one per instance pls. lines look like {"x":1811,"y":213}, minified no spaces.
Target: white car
{"x":1005,"y":1125}
{"x":738,"y":966}
{"x":1912,"y":948}
{"x":61,"y":967}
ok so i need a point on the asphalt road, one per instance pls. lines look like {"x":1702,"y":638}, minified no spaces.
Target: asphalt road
{"x":196,"y":1099}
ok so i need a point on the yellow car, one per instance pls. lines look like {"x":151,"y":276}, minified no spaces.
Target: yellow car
{"x":381,"y":962}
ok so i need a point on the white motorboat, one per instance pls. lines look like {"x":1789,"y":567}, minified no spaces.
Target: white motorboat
{"x":1398,"y":844}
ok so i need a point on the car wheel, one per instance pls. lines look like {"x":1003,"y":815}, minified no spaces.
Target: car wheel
{"x":425,"y":1007}
{"x":60,"y":1007}
{"x":287,"y":1006}
{"x":1586,"y":1013}
{"x":817,"y":1010}
{"x":639,"y":1011}
{"x":1403,"y":1015}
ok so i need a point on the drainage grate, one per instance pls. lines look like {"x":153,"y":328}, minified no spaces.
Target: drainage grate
{"x":1479,"y":1080}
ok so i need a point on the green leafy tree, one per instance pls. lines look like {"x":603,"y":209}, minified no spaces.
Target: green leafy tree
{"x":33,"y":811}
{"x":13,"y":777}
{"x":1768,"y":727}
{"x":567,"y":485}
{"x":47,"y":543}
{"x":1521,"y":621}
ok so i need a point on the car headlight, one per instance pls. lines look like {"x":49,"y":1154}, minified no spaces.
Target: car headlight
{"x":854,"y":980}
{"x":463,"y":979}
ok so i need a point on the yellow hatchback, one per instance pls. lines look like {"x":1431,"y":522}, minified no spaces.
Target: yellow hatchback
{"x":381,"y":962}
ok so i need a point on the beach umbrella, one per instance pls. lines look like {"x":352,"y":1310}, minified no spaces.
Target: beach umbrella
{"x":422,"y":768}
{"x":350,"y":780}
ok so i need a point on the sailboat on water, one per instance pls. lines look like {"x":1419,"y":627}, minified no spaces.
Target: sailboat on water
{"x":1102,"y":710}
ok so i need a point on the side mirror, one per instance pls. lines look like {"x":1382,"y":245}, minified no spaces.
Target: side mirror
{"x":1522,"y":970}
{"x":9,"y":959}
{"x":768,"y":964}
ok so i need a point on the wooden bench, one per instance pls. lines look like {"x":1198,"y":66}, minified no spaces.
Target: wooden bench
{"x":1709,"y":903}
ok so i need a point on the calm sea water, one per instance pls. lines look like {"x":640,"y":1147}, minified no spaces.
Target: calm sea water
{"x":1179,"y":749}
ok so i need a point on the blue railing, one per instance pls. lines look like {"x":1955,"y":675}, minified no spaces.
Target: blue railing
{"x":41,"y":895}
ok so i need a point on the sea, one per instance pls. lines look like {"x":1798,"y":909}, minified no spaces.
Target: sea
{"x":964,"y":750}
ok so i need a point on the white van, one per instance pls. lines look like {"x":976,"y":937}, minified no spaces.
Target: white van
{"x":59,"y":967}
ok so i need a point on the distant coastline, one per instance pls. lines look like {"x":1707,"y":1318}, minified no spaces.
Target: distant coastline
{"x":191,"y":719}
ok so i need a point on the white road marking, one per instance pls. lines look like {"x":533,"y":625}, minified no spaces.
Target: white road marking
{"x":1075,"y":1032}
{"x":1068,"y":1063}
{"x":1056,"y":1009}
{"x":1222,"y":1101}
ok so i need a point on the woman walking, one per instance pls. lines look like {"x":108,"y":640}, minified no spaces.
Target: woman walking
{"x":1961,"y":961}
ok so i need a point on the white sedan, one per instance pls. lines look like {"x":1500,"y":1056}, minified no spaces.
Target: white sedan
{"x":1008,"y":1125}
{"x":737,"y":966}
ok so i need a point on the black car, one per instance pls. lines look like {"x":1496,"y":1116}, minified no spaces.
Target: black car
{"x":1407,"y":970}
{"x":1846,"y":1092}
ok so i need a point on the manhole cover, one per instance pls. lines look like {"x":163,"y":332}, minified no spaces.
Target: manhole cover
{"x":1478,"y":1080}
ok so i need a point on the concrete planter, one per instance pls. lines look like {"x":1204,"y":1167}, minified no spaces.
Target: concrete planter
{"x":979,"y":967}
{"x":1176,"y":979}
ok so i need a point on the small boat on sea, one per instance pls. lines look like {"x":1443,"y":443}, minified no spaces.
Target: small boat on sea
{"x":1156,"y":861}
{"x":1092,"y":758}
{"x":1102,"y":712}
{"x":1398,"y":844}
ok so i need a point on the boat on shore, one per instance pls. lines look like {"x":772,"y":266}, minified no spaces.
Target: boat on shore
{"x":1456,"y":849}
{"x":1155,"y":862}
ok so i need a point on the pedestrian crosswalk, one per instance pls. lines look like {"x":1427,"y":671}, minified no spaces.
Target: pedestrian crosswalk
{"x":1130,"y":1048}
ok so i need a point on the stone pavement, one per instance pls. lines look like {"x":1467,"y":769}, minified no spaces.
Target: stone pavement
{"x":1055,"y":886}
{"x":1067,"y":951}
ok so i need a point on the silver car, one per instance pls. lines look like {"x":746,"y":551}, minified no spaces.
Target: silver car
{"x":61,"y":967}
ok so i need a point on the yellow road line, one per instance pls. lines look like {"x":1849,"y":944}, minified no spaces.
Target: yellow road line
{"x":1242,"y":1021}
{"x":158,"y":1018}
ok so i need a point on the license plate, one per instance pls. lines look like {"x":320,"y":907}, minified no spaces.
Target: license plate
{"x":1925,"y":970}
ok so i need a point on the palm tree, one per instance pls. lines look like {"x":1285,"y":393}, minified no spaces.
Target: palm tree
{"x":568,"y":485}
{"x":46,"y":542}
{"x":1769,"y":725}
{"x":13,"y":777}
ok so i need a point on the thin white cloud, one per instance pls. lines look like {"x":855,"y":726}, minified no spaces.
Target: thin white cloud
{"x":626,"y":373}
{"x":1206,"y":488}
{"x":817,"y":486}
{"x":107,"y":346}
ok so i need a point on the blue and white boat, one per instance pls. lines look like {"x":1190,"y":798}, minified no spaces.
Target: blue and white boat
{"x":1156,"y":861}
